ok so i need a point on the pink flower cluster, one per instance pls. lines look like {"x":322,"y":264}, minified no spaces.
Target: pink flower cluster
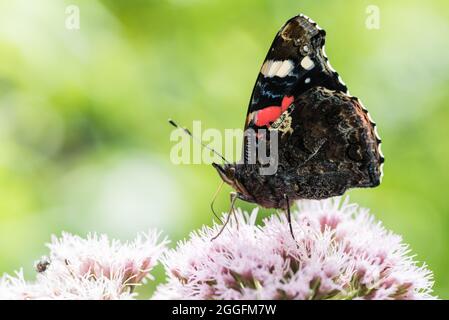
{"x":339,"y":252}
{"x":91,"y":268}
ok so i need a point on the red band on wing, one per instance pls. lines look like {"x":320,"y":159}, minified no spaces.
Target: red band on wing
{"x":272,"y":113}
{"x":267,"y":115}
{"x":286,"y":102}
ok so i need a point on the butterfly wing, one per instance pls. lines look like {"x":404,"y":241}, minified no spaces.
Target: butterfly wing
{"x":332,"y":144}
{"x":295,"y":63}
{"x":326,"y":145}
{"x":326,"y":140}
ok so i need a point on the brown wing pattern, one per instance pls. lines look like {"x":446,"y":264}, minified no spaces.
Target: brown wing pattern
{"x":330,"y":134}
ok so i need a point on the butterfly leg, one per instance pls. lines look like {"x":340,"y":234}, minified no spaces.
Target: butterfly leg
{"x":213,"y":201}
{"x":289,"y":216}
{"x":233,"y":196}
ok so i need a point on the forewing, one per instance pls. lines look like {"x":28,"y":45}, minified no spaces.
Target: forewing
{"x":295,"y":63}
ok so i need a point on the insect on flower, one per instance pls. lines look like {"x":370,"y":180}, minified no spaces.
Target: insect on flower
{"x":325,"y":142}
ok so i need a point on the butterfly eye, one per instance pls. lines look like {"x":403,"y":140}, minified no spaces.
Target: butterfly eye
{"x":230,"y":172}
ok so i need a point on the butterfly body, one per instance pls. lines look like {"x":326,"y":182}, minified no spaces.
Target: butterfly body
{"x":326,"y":141}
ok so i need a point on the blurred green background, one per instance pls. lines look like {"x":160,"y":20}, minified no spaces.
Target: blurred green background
{"x":84,"y":142}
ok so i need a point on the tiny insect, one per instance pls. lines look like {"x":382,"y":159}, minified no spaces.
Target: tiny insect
{"x":42,"y":264}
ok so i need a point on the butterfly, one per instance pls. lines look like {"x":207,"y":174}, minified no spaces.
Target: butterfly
{"x":323,"y":139}
{"x":327,"y":141}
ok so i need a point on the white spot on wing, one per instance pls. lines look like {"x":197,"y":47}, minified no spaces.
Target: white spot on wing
{"x":280,"y":68}
{"x":307,"y":63}
{"x":286,"y":67}
{"x":307,"y":80}
{"x":274,"y":67}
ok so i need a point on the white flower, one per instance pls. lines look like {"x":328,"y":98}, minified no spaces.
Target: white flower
{"x":340,"y":252}
{"x":14,"y":287}
{"x":91,"y":268}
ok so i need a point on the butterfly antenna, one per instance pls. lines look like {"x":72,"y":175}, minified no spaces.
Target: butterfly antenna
{"x":174,"y":124}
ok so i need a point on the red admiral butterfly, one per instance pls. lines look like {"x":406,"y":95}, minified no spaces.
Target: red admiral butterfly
{"x":326,"y":142}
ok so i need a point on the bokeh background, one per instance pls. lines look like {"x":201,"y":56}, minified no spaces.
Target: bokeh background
{"x":84,"y":142}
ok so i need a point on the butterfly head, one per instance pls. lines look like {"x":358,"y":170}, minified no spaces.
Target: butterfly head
{"x":226,"y":172}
